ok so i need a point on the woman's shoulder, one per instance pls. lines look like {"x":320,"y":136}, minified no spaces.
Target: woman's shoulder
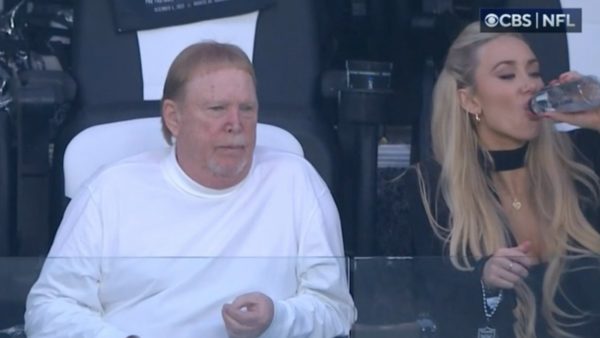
{"x":427,"y":170}
{"x":581,"y":136}
{"x":587,"y":147}
{"x":400,"y":208}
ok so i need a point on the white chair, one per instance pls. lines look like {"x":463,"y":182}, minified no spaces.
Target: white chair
{"x":103,"y":144}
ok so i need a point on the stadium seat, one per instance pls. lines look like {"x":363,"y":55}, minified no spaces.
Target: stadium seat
{"x":111,"y":142}
{"x":108,"y":69}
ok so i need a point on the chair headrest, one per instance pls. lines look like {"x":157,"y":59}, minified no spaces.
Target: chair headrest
{"x":159,"y":47}
{"x":107,"y":143}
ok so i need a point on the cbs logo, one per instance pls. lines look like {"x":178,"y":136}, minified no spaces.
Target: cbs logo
{"x":508,"y":20}
{"x":491,"y":20}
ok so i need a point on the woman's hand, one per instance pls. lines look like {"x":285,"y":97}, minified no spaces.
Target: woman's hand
{"x":589,"y":119}
{"x":507,"y":266}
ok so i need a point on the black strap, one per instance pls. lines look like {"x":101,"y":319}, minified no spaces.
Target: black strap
{"x":509,"y":159}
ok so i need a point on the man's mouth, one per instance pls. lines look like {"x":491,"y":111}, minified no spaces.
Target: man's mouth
{"x":232,"y":147}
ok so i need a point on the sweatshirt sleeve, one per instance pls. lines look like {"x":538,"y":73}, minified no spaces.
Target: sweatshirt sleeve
{"x":64,"y":301}
{"x":322,"y":306}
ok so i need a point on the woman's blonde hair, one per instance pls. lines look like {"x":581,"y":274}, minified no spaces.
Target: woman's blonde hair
{"x":477,"y":226}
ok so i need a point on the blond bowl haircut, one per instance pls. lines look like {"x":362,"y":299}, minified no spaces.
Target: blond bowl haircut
{"x":477,"y":226}
{"x":202,"y":57}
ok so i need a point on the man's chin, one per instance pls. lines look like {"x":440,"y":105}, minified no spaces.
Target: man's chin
{"x":230,"y":170}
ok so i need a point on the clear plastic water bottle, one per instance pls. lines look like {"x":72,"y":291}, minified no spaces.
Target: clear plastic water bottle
{"x":581,"y":94}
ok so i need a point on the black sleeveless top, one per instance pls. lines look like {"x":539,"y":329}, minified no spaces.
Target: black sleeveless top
{"x":454,"y":298}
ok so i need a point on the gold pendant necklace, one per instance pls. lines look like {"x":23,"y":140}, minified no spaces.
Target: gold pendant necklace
{"x":516,"y":204}
{"x":504,"y":194}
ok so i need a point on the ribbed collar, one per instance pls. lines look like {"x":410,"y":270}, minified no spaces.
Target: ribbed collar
{"x":175,"y":174}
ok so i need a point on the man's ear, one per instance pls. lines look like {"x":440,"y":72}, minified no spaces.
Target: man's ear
{"x":170,"y":115}
{"x":469,"y":102}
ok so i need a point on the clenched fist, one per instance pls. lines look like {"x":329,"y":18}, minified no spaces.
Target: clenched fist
{"x":248,"y":316}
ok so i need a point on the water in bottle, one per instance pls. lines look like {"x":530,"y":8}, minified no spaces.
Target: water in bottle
{"x":578,"y":95}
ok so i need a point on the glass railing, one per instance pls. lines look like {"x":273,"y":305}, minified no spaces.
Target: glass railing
{"x":170,"y":296}
{"x":17,"y":275}
{"x":382,"y":289}
{"x":394,"y":296}
{"x":427,"y":297}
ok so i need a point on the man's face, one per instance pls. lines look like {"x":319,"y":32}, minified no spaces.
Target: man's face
{"x":214,"y":126}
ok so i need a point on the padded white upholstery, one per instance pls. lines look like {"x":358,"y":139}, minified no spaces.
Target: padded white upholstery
{"x":584,"y":51}
{"x":156,"y":59}
{"x":103,"y":144}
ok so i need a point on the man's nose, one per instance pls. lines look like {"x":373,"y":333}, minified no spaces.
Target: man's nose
{"x":234,"y":123}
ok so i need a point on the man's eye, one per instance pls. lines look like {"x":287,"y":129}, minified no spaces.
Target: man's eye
{"x":216,"y":108}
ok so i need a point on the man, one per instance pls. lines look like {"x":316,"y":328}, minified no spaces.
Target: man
{"x":264,"y":217}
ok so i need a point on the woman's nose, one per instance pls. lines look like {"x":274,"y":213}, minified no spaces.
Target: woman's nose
{"x":530,"y":85}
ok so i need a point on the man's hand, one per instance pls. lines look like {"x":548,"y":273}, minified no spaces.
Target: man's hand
{"x":248,"y":316}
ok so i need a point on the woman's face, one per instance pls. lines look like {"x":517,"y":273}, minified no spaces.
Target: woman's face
{"x":506,"y":77}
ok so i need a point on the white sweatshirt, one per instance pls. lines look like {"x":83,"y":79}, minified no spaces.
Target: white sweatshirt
{"x":145,"y":250}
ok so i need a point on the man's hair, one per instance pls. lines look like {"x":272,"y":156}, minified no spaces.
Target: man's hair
{"x":201,"y":57}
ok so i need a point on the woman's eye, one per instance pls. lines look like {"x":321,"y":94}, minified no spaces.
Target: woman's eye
{"x":507,"y":76}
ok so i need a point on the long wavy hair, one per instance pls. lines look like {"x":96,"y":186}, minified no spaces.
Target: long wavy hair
{"x":477,"y":225}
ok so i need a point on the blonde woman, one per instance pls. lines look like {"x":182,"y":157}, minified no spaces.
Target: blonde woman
{"x":508,"y":202}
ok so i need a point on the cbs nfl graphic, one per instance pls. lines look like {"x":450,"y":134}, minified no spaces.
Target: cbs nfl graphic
{"x":530,"y":20}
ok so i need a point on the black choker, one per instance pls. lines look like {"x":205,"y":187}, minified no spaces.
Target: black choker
{"x":509,"y":159}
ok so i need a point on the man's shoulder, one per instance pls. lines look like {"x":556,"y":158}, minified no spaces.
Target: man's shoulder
{"x":291,"y":165}
{"x":270,"y":157}
{"x":130,"y":168}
